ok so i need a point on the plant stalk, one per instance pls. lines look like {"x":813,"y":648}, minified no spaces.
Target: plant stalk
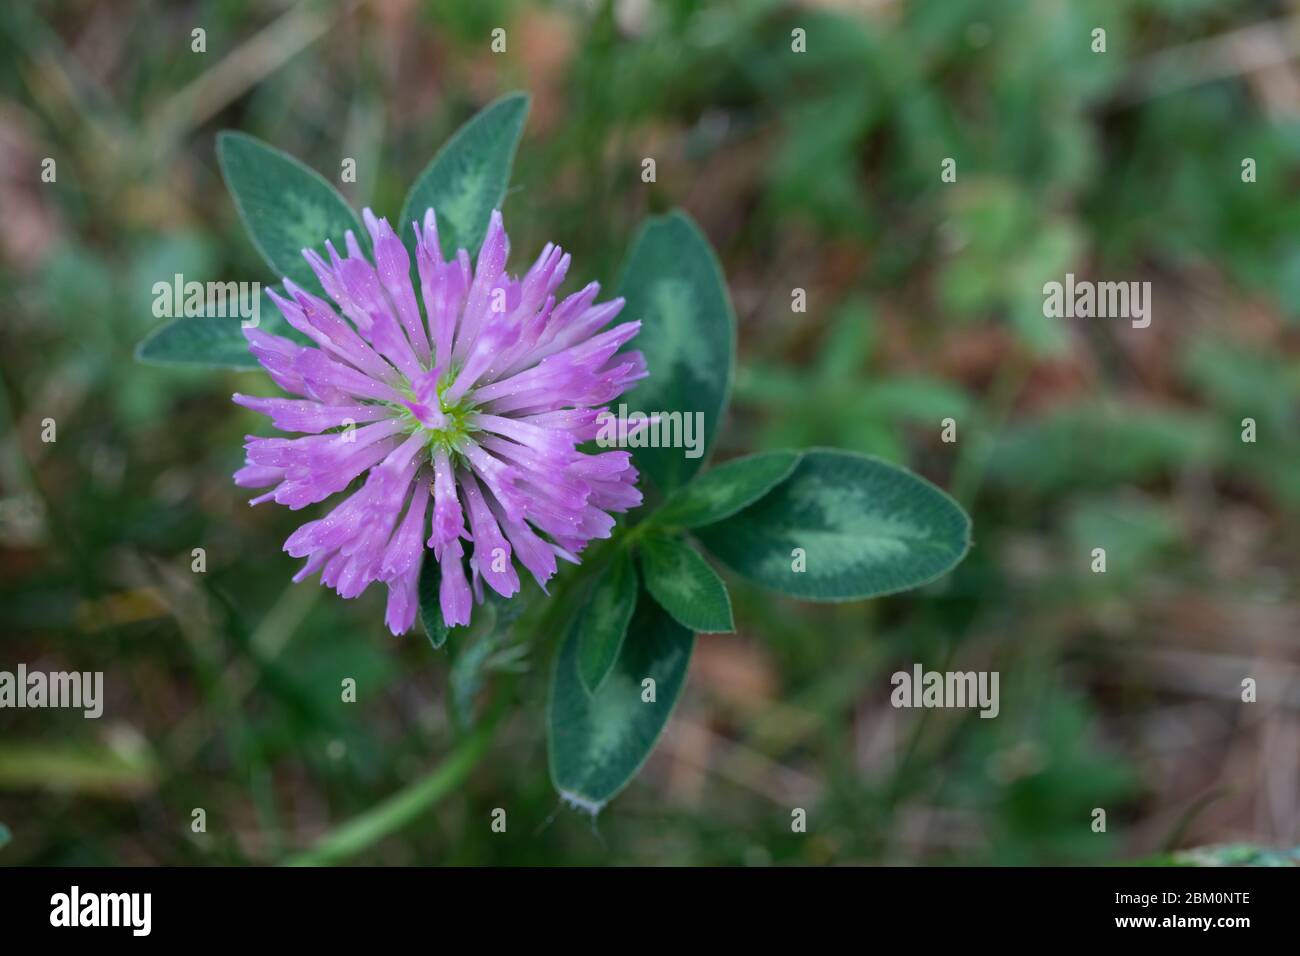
{"x":404,"y":806}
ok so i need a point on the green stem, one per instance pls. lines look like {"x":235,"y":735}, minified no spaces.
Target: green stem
{"x":632,"y":534}
{"x":404,"y":806}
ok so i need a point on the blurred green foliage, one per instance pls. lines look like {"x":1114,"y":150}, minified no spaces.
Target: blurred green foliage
{"x":818,"y":171}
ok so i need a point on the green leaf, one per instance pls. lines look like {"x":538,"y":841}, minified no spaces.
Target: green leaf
{"x":864,"y":527}
{"x":430,"y":610}
{"x":210,"y":342}
{"x":286,"y":206}
{"x":599,"y":741}
{"x":602,"y":624}
{"x":467,"y":178}
{"x":215,"y":341}
{"x":685,"y":586}
{"x":675,"y":287}
{"x":722,"y":491}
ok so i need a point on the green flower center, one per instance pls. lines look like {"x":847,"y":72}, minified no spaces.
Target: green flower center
{"x":455,"y":428}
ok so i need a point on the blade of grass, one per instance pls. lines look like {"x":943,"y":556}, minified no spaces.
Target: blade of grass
{"x":238,"y":72}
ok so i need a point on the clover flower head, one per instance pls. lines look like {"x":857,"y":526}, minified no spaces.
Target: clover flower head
{"x":458,"y":424}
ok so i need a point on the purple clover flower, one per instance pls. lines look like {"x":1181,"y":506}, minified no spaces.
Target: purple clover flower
{"x":478,"y":403}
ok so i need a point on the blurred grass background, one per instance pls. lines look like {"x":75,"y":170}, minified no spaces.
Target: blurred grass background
{"x":818,"y":171}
